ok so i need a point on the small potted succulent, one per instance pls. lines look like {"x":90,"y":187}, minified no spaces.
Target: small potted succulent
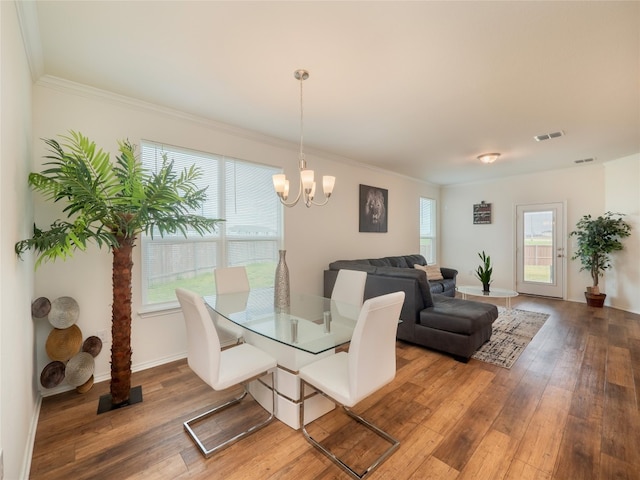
{"x":597,"y":239}
{"x":484,"y":271}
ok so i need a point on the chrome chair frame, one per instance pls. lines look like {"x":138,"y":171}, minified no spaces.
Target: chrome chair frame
{"x":207,"y":452}
{"x":328,"y":453}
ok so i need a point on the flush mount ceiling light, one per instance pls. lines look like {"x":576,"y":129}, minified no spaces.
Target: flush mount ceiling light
{"x":488,"y":157}
{"x":307,"y":188}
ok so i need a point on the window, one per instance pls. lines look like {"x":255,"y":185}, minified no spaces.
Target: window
{"x":239,"y":192}
{"x":428,"y":229}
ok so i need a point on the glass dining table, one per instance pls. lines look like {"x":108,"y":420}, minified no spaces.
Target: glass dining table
{"x":311,"y":328}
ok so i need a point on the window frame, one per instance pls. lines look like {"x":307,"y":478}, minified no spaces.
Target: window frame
{"x":433,"y":258}
{"x":221,"y":237}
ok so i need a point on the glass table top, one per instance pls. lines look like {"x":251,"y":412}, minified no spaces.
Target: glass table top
{"x":312,"y":323}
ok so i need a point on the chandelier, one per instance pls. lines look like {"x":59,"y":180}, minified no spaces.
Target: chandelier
{"x":307,"y":188}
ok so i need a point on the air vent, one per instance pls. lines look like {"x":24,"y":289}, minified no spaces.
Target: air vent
{"x":584,"y":160}
{"x":547,"y":136}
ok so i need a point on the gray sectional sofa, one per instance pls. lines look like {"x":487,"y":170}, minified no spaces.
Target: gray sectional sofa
{"x":430,"y":316}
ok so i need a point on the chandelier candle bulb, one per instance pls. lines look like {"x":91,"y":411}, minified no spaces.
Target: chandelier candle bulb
{"x":328,"y":183}
{"x":279,"y":182}
{"x":307,"y":180}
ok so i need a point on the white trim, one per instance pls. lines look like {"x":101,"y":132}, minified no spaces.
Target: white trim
{"x":74,"y":88}
{"x":30,"y":30}
{"x":31,"y":441}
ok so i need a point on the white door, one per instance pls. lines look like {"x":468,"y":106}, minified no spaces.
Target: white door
{"x":540,"y":249}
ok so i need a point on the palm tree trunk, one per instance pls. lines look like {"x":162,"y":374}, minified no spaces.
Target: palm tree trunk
{"x":121,"y":322}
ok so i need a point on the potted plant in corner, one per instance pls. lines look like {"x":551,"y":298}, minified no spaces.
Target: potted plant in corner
{"x":597,"y":239}
{"x":110,"y":204}
{"x":484,"y":271}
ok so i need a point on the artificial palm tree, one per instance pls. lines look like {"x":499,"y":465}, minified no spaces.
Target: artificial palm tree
{"x":110,"y":204}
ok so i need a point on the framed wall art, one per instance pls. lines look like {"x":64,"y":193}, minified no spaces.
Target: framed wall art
{"x":374,"y":209}
{"x":482,"y":213}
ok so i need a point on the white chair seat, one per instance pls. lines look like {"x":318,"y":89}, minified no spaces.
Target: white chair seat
{"x":241,"y":363}
{"x":331,"y":375}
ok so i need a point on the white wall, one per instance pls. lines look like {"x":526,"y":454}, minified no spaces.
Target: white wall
{"x":313,"y":237}
{"x":622,"y":187}
{"x":18,"y":376}
{"x":583,"y":189}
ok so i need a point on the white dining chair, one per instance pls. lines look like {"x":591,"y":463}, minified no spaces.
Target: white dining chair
{"x":220,"y":369}
{"x":349,"y":287}
{"x":348,"y":377}
{"x":229,"y":280}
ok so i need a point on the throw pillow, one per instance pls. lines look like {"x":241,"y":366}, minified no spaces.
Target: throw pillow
{"x":433,"y":271}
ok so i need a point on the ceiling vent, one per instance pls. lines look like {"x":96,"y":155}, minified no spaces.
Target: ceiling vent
{"x":547,"y":136}
{"x":584,"y":160}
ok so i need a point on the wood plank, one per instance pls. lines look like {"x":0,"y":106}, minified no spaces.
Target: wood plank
{"x":518,"y":470}
{"x":588,"y":398}
{"x":520,"y":406}
{"x":613,"y":468}
{"x":463,"y":439}
{"x":433,"y":469}
{"x":579,"y":454}
{"x":619,"y":370}
{"x":450,"y":411}
{"x":492,"y":458}
{"x":540,"y":443}
{"x":621,"y":424}
{"x":415,"y":448}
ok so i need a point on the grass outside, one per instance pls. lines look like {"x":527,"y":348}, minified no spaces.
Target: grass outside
{"x":260,"y":275}
{"x":537,"y":273}
{"x":548,"y":241}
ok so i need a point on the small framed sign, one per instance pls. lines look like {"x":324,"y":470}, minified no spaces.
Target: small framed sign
{"x":482,"y":213}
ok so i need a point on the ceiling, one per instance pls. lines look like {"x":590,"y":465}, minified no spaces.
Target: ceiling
{"x":420,"y":88}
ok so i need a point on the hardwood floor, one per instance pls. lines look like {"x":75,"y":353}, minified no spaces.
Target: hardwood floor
{"x":567,"y":410}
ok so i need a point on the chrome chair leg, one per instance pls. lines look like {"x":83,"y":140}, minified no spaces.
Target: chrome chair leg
{"x":207,"y":452}
{"x":394,"y":443}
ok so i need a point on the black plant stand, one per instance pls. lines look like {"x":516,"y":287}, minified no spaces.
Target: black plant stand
{"x":105,"y":405}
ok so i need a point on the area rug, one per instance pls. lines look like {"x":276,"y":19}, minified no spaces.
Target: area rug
{"x":512,"y":332}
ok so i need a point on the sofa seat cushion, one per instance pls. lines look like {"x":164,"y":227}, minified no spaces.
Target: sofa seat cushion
{"x":458,"y":316}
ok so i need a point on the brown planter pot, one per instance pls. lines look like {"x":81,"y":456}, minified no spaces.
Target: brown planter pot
{"x":595,"y":300}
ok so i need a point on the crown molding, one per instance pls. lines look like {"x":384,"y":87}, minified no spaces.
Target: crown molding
{"x":86,"y":91}
{"x":75,"y":88}
{"x":30,"y":30}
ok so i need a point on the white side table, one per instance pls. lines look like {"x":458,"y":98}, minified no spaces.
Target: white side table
{"x":494,"y":293}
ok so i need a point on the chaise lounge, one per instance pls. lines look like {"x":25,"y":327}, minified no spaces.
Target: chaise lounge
{"x":433,"y":320}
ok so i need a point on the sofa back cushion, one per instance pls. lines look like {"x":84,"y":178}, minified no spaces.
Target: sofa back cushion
{"x":360,"y":265}
{"x":415,"y":259}
{"x":413,"y":274}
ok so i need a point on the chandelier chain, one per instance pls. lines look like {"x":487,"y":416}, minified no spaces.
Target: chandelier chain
{"x":301,"y":120}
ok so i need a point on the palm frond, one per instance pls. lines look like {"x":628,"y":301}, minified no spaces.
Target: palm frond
{"x":105,"y":201}
{"x":62,"y":239}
